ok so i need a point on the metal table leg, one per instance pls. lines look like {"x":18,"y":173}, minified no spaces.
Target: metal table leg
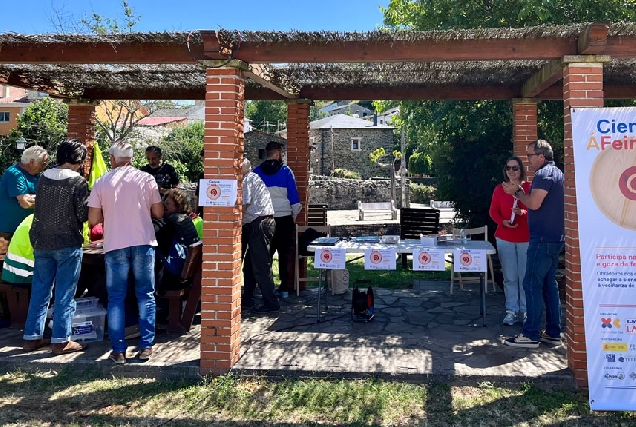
{"x":482,"y":295}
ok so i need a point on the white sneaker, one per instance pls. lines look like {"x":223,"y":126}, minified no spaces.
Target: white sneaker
{"x":510,"y":318}
{"x":521,"y":341}
{"x":549,"y":340}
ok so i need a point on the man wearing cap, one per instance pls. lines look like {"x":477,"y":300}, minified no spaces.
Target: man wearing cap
{"x":257,"y":233}
{"x":281,"y":183}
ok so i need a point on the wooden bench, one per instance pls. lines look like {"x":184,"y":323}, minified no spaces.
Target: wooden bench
{"x":317,"y":215}
{"x":376,"y":208}
{"x":180,"y":318}
{"x":442,"y":204}
{"x":414,"y":222}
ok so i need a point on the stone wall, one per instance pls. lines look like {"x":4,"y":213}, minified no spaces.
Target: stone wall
{"x":344,"y":157}
{"x":341,"y":194}
{"x":337,"y":193}
{"x":257,"y":140}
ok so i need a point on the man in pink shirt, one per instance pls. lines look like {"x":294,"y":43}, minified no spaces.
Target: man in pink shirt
{"x":125,"y":200}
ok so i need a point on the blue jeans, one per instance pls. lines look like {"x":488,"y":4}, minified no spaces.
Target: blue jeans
{"x":513,"y":258}
{"x":541,"y":287}
{"x":141,"y":259}
{"x":61,"y":266}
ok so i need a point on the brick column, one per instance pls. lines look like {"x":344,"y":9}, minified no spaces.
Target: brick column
{"x":582,"y":87}
{"x":298,"y":150}
{"x":221,"y":283}
{"x":524,"y":129}
{"x":81,"y":126}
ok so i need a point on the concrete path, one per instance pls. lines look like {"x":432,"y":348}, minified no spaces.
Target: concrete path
{"x":418,"y":334}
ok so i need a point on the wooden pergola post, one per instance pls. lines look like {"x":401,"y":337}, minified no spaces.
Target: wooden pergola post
{"x":221,"y":282}
{"x":582,"y":87}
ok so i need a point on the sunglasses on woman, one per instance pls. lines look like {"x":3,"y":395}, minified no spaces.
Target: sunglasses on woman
{"x":514,"y":168}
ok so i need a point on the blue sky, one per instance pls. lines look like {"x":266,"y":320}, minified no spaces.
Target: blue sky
{"x":36,"y":16}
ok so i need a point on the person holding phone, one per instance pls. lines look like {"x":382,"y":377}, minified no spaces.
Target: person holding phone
{"x":512,"y":237}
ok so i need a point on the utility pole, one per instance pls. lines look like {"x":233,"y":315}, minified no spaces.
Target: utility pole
{"x":405,"y":204}
{"x":333,"y":157}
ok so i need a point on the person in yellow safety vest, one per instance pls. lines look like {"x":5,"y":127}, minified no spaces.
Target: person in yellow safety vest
{"x":18,"y":262}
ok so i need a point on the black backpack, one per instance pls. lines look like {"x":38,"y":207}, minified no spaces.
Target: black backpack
{"x":362,"y":305}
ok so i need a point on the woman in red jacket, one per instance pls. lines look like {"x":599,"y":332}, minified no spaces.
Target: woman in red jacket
{"x":512,"y":239}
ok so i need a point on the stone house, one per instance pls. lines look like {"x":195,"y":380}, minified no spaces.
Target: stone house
{"x":345,"y":142}
{"x":255,"y":143}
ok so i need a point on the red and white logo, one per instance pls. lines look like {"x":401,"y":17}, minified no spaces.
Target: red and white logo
{"x":326,"y":256}
{"x":425,"y":258}
{"x":465,"y":259}
{"x":376,"y":257}
{"x":213,"y":191}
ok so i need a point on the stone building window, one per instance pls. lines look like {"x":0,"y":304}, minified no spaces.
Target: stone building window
{"x":4,"y":116}
{"x":356,"y":143}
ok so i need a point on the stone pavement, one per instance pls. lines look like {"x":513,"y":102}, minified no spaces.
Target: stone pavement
{"x":418,"y":334}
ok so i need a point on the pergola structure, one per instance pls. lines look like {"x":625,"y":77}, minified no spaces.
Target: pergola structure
{"x":581,"y":64}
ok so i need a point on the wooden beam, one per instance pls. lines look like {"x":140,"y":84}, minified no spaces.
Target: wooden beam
{"x":100,"y":53}
{"x":456,"y":93}
{"x":555,"y":92}
{"x":257,"y":73}
{"x":621,"y":47}
{"x":549,"y":74}
{"x":393,"y":51}
{"x":593,"y":40}
{"x":113,"y":93}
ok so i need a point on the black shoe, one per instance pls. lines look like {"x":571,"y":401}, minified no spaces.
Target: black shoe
{"x":266,"y":309}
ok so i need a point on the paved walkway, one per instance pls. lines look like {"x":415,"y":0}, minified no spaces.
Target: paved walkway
{"x":418,"y":334}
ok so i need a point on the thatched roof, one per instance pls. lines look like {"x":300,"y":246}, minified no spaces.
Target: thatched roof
{"x":186,"y":74}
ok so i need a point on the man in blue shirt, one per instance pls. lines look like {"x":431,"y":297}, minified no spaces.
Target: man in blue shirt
{"x":546,"y":220}
{"x":281,"y":183}
{"x":17,"y":189}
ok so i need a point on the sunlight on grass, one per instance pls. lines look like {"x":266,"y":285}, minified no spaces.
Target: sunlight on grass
{"x":68,"y":398}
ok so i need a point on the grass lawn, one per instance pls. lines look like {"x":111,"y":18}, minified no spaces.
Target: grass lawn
{"x":68,"y":399}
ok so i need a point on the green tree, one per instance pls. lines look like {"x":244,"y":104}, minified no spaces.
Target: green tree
{"x":268,"y":116}
{"x":183,"y":145}
{"x":468,"y":140}
{"x":43,"y":123}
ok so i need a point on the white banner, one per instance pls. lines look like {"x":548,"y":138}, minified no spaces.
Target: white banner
{"x":605,"y":164}
{"x":330,"y":259}
{"x":379,"y":259}
{"x":428,"y":260}
{"x":470,"y":261}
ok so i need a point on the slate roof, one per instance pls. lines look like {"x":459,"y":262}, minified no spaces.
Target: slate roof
{"x":342,"y":121}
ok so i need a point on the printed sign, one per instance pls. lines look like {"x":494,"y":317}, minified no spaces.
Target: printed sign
{"x":218,"y":192}
{"x":330,"y":258}
{"x":605,"y":154}
{"x":470,"y":261}
{"x":380,"y":259}
{"x":428,"y":260}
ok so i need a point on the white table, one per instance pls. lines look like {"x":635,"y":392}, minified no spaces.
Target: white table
{"x":406,"y":247}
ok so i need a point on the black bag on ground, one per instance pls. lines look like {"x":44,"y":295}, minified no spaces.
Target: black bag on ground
{"x":362,"y":305}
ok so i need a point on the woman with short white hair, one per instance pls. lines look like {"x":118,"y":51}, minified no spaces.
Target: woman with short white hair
{"x":17,"y":189}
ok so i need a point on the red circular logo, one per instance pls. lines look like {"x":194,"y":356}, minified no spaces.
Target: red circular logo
{"x":213,"y":191}
{"x":376,"y":257}
{"x":626,"y":183}
{"x":424,"y":258}
{"x":326,"y":256}
{"x":465,"y":258}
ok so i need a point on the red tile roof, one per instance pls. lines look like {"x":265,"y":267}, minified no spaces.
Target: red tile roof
{"x":159,"y":121}
{"x":16,"y":94}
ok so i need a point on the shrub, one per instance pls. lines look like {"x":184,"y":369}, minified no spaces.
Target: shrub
{"x":344,"y":173}
{"x":421,"y":193}
{"x":420,"y":163}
